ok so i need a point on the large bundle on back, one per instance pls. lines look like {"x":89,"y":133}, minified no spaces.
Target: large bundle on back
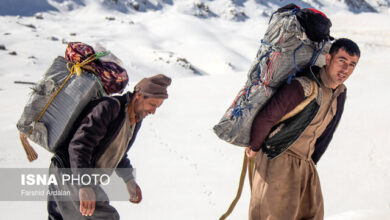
{"x":294,"y":39}
{"x":65,"y":89}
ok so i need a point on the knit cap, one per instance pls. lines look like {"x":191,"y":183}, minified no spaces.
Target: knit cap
{"x":154,"y":87}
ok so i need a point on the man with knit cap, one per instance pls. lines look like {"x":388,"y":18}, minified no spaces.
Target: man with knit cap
{"x":102,"y":137}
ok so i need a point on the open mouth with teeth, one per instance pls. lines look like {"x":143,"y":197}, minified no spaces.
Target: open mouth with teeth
{"x":341,"y":75}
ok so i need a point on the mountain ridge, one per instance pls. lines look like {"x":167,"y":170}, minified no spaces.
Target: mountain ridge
{"x":236,"y":10}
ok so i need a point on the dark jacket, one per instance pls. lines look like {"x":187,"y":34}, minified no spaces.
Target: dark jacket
{"x":97,"y":127}
{"x":287,"y":132}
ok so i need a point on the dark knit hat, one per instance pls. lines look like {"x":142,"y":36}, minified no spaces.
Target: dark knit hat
{"x":154,"y":87}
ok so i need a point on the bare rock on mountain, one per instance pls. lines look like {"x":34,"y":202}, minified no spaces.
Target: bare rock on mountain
{"x":235,"y":13}
{"x":360,"y":6}
{"x":135,"y":5}
{"x":230,"y":66}
{"x":202,"y":10}
{"x":187,"y":65}
{"x":38,"y":16}
{"x":126,"y":6}
{"x":110,"y":18}
{"x":170,"y":58}
{"x":32,"y":59}
{"x":28,"y":25}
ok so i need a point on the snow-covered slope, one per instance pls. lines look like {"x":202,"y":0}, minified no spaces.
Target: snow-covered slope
{"x":185,"y":171}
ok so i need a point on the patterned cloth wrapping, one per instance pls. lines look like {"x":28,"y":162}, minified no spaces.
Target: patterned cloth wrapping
{"x":112,"y":75}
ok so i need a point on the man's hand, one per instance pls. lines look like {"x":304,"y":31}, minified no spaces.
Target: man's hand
{"x":87,"y":201}
{"x":250,"y":153}
{"x":134,"y":191}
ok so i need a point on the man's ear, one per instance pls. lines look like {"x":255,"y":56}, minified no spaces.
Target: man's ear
{"x":137,"y":95}
{"x":328,"y":58}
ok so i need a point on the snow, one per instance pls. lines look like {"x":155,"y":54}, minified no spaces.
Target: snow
{"x":184,"y":170}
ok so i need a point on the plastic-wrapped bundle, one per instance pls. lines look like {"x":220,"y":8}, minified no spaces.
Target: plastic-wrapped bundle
{"x":63,"y":92}
{"x":294,"y":39}
{"x":49,"y":127}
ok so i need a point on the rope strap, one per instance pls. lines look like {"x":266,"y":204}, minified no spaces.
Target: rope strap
{"x":313,"y":59}
{"x":251,"y":170}
{"x":237,"y":110}
{"x":295,"y":51}
{"x":247,"y":164}
{"x":75,"y":69}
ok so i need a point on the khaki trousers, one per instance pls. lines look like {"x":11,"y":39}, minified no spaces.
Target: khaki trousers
{"x":285,"y":188}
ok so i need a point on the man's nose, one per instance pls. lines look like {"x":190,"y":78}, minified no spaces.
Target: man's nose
{"x":345,"y":66}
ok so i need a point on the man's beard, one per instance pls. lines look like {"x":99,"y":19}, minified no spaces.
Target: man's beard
{"x":137,"y":117}
{"x":137,"y":113}
{"x":140,"y":115}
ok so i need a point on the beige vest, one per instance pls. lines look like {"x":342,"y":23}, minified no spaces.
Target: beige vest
{"x":304,"y":146}
{"x":117,"y":149}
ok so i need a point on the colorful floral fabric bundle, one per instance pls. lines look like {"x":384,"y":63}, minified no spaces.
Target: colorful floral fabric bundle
{"x":113,"y":77}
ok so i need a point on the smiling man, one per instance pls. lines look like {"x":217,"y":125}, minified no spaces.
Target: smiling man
{"x":290,"y":134}
{"x":101,"y":139}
